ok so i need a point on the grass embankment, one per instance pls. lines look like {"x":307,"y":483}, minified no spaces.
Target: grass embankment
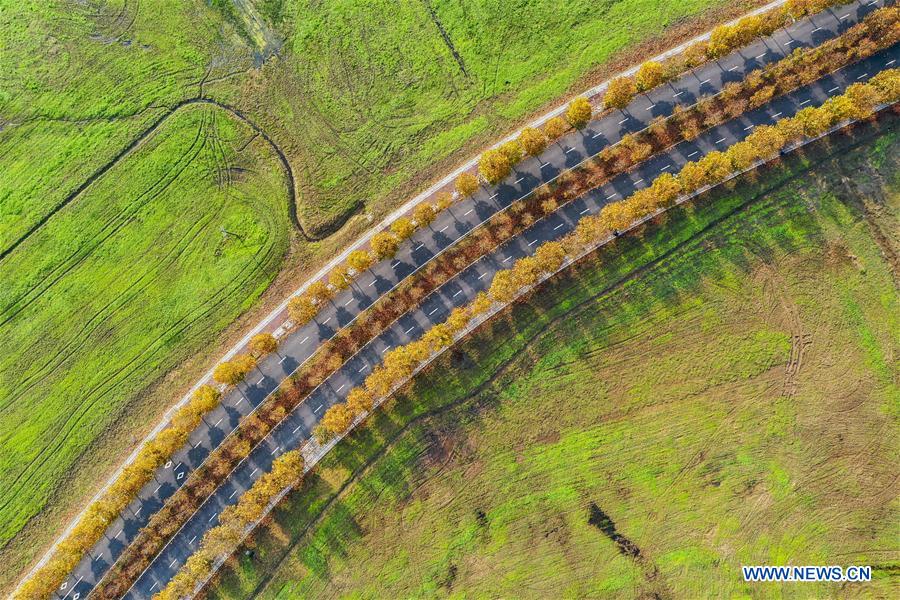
{"x":618,"y":435}
{"x":82,"y":81}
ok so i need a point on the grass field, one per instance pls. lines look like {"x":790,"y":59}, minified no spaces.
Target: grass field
{"x":719,"y":392}
{"x":134,"y":228}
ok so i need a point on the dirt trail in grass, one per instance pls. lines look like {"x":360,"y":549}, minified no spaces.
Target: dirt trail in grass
{"x":159,"y":122}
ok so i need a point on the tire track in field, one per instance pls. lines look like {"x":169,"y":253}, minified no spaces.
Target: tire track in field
{"x":264,"y":257}
{"x":149,"y":131}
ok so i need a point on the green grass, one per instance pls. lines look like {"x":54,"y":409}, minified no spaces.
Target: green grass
{"x":715,"y":387}
{"x":106,"y":293}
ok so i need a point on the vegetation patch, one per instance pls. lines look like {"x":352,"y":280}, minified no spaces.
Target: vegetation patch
{"x":717,"y":389}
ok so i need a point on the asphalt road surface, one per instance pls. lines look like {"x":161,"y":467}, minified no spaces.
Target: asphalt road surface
{"x":447,"y":229}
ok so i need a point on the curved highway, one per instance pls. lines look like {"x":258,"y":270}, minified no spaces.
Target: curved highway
{"x":448,"y":228}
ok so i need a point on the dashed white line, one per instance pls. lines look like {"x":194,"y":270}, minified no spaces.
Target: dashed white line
{"x":374,"y":281}
{"x":558,"y":226}
{"x":276,"y":449}
{"x":610,"y":197}
{"x":140,"y":508}
{"x":693,"y":153}
{"x":519,"y":179}
{"x":641,"y":180}
{"x":261,"y":379}
{"x":847,"y":16}
{"x":172,"y":564}
{"x":815,"y":30}
{"x":253,"y":472}
{"x":421,"y":245}
{"x":303,"y":341}
{"x":861,"y":76}
{"x":507,"y":258}
{"x":325,"y":322}
{"x":720,"y":140}
{"x":705,"y":81}
{"x":363,"y":368}
{"x":651,"y":107}
{"x":890,"y":62}
{"x":152,"y":587}
{"x":235,"y":491}
{"x":666,"y":168}
{"x":118,"y":534}
{"x":805,"y":102}
{"x":386,"y":349}
{"x":317,"y":409}
{"x":434,"y":311}
{"x":159,"y":486}
{"x":532,"y":242}
{"x":212,"y":517}
{"x":834,"y":89}
{"x":217,"y":422}
{"x":192,"y":540}
{"x":410,"y":329}
{"x":239,"y":401}
{"x":468,"y":212}
{"x":343,"y":385}
{"x":348,"y":301}
{"x":759,"y":56}
{"x":444,"y":229}
{"x":749,"y":127}
{"x":495,"y":195}
{"x":283,"y":358}
{"x":596,"y":135}
{"x":776,"y":115}
{"x":457,"y":293}
{"x":585,"y":211}
{"x":567,"y":151}
{"x":734,"y":68}
{"x":297,"y":428}
{"x":789,"y":42}
{"x":482,"y":275}
{"x":677,"y":94}
{"x":623,"y":120}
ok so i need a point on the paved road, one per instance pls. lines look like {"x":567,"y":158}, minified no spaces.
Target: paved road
{"x":446,"y":230}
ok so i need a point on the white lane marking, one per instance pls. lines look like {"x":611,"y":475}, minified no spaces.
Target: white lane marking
{"x":410,"y":329}
{"x":374,"y":281}
{"x":567,"y":151}
{"x":495,"y":195}
{"x":705,"y":81}
{"x":118,"y":534}
{"x":235,"y":491}
{"x":152,"y":587}
{"x":217,"y":422}
{"x":192,"y":540}
{"x":261,"y":379}
{"x":394,"y":264}
{"x":815,"y":30}
{"x":421,"y":245}
{"x":596,"y":135}
{"x":519,"y":179}
{"x":348,"y":301}
{"x":253,"y":471}
{"x":239,"y":401}
{"x":303,"y":341}
{"x":325,"y":322}
{"x":444,"y":229}
{"x":734,"y":68}
{"x":140,"y":508}
{"x":532,"y":243}
{"x":678,"y":94}
{"x":776,"y":115}
{"x":434,"y":311}
{"x":611,"y":196}
{"x":283,"y":358}
{"x":789,"y":42}
{"x":457,"y":294}
{"x":317,"y":409}
{"x":641,"y":180}
{"x":157,"y":489}
{"x":666,"y":168}
{"x":651,"y":107}
{"x":805,"y":102}
{"x":297,"y":428}
{"x":693,"y":153}
{"x":507,"y":258}
{"x":749,"y":127}
{"x":861,"y":76}
{"x":889,"y":63}
{"x":343,"y":385}
{"x":482,"y":275}
{"x":213,"y":517}
{"x":363,"y":368}
{"x":277,"y":448}
{"x":468,"y":212}
{"x":172,"y":564}
{"x":585,"y":211}
{"x":386,"y":349}
{"x":719,"y":141}
{"x":623,"y":120}
{"x":847,"y":16}
{"x":759,"y":56}
{"x":558,"y":226}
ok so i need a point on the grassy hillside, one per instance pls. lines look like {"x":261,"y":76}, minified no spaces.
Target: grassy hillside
{"x":721,"y":391}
